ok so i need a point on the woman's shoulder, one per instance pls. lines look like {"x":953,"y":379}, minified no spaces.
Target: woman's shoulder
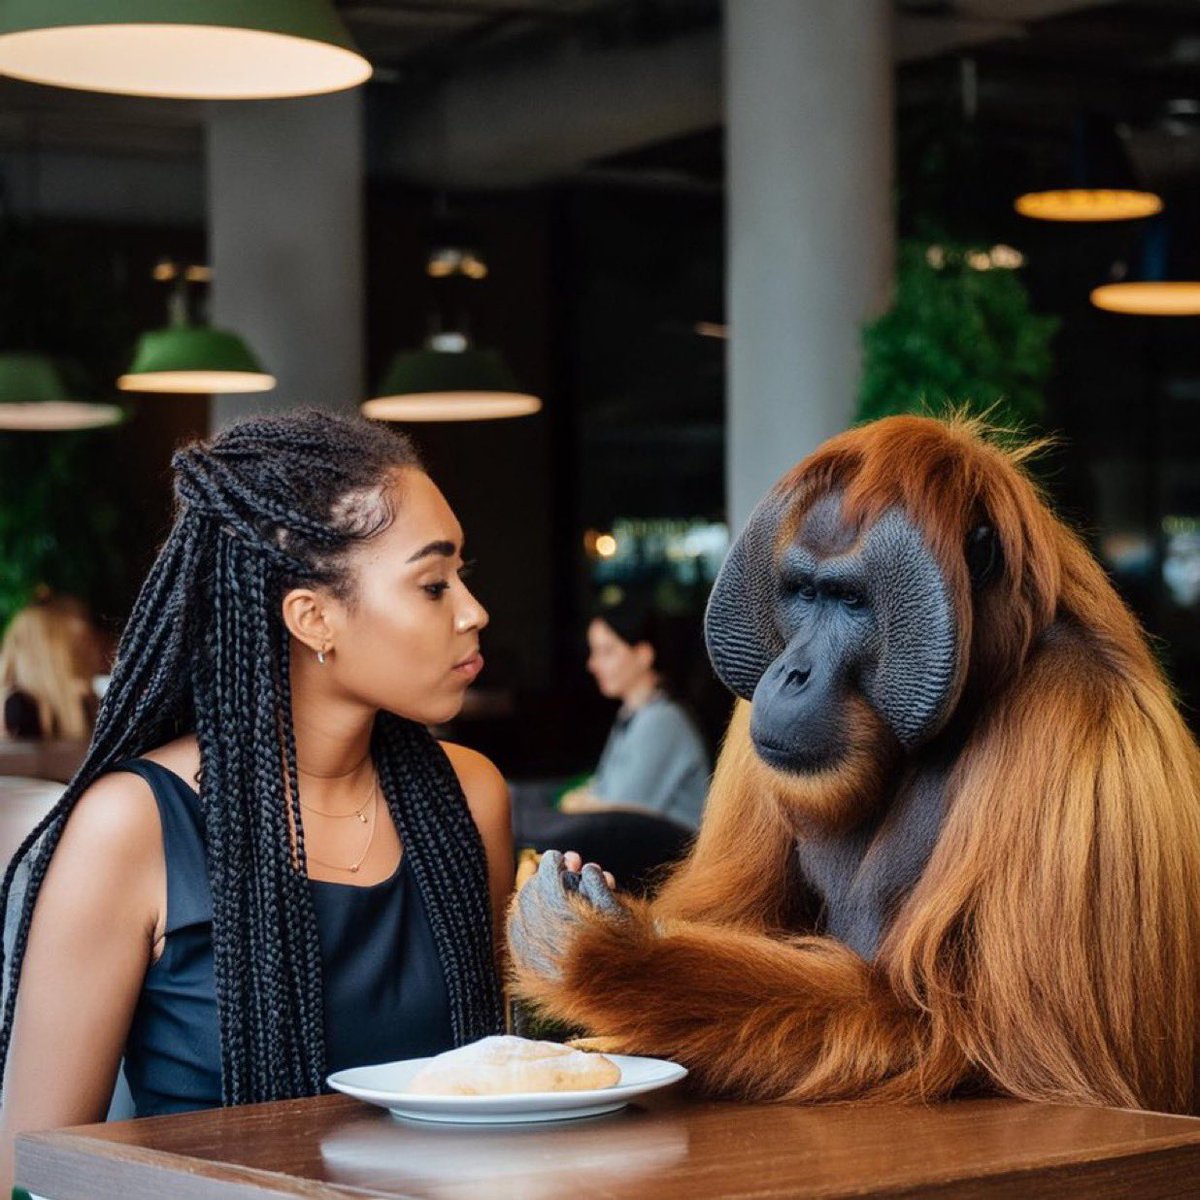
{"x":478,"y":776}
{"x":118,"y":810}
{"x":662,"y":714}
{"x":486,"y":794}
{"x":181,"y":757}
{"x":114,"y":825}
{"x":484,"y":788}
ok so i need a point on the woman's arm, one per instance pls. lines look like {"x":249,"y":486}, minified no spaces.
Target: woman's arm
{"x":91,"y":940}
{"x":487,"y":798}
{"x":582,"y":801}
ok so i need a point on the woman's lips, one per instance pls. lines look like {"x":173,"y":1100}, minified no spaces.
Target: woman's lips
{"x":470,"y":667}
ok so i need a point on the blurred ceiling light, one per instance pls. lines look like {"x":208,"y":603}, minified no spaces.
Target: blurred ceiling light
{"x":1150,"y":298}
{"x":185,"y":49}
{"x":999,"y":256}
{"x":167,"y":269}
{"x":33,"y":399}
{"x":1007,"y":257}
{"x":606,"y":545}
{"x":445,"y":261}
{"x":1100,"y":184}
{"x":1163,"y":282}
{"x":449,"y":380}
{"x":190,"y":359}
{"x":1088,"y":204}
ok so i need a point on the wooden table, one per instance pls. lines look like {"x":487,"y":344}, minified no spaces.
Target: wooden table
{"x":333,"y":1146}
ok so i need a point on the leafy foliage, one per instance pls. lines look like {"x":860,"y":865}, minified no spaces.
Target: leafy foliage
{"x":57,"y":519}
{"x":958,"y":335}
{"x":57,"y":526}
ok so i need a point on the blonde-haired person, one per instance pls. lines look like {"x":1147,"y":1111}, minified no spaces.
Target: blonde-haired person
{"x":47,"y":660}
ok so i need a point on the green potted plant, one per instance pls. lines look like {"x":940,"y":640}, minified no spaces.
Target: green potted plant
{"x":960,"y":334}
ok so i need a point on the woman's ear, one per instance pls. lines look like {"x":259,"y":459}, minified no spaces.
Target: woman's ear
{"x":306,"y":615}
{"x":645,"y":655}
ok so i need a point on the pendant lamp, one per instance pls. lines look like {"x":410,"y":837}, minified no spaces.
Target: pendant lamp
{"x":1099,"y":185}
{"x":33,"y":399}
{"x":1152,"y":292}
{"x":191,"y":359}
{"x":449,"y":380}
{"x":194,"y":360}
{"x":181,"y":49}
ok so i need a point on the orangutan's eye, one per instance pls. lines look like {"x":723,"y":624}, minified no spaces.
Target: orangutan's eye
{"x":801,"y":589}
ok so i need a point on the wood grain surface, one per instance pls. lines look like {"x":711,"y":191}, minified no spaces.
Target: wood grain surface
{"x":670,"y":1147}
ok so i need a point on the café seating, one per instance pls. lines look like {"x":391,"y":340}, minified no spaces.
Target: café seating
{"x":636,"y":847}
{"x":41,"y":758}
{"x":23,"y":803}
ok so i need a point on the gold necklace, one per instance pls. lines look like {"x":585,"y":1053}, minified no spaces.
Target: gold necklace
{"x":353,"y":867}
{"x":359,"y":813}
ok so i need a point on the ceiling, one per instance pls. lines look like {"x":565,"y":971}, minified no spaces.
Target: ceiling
{"x":1035,"y":65}
{"x":413,"y":45}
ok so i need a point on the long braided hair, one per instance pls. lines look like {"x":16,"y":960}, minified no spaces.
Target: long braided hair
{"x":269,"y":504}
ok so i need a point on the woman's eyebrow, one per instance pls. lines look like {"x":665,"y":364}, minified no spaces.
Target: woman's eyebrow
{"x":445,"y":549}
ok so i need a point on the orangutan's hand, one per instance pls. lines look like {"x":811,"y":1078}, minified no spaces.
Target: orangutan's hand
{"x":543,"y":919}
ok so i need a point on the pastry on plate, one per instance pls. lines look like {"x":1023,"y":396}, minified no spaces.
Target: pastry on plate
{"x":496,"y":1066}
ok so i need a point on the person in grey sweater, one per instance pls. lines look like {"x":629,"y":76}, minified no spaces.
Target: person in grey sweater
{"x":654,"y":758}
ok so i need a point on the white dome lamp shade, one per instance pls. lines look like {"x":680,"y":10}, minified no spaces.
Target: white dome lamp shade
{"x":1163,"y":284}
{"x":33,"y":399}
{"x":194,"y":360}
{"x":1099,"y":184}
{"x":181,"y":49}
{"x":449,"y":380}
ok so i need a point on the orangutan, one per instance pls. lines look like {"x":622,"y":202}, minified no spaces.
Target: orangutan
{"x":953,"y":839}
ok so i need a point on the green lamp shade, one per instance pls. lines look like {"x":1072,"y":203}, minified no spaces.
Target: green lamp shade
{"x":33,"y":399}
{"x":196,"y":360}
{"x":184,"y":49}
{"x":441,"y":385}
{"x":29,"y":378}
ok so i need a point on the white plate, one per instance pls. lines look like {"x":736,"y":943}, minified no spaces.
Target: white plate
{"x":386,"y":1085}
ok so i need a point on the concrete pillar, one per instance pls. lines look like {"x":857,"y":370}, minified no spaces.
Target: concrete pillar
{"x":285,"y":187}
{"x":809,"y":117}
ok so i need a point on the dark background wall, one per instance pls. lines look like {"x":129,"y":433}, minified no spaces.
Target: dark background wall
{"x":597,"y":281}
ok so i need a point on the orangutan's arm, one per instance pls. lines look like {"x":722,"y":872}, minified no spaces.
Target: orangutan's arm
{"x":749,"y":1015}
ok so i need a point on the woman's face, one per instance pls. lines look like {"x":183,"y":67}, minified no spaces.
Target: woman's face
{"x":408,"y":639}
{"x":617,"y":666}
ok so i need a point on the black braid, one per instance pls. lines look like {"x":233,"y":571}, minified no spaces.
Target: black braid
{"x":268,"y":504}
{"x":423,"y":796}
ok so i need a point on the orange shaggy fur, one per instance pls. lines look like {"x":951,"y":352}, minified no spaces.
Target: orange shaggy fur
{"x":1051,"y":948}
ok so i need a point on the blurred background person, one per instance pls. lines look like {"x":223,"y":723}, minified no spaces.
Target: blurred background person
{"x":48,"y":659}
{"x":654,"y":758}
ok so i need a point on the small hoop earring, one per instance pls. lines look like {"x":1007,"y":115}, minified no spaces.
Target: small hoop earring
{"x":321,"y":657}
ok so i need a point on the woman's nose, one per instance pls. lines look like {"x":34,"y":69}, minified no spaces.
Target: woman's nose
{"x":476,"y":615}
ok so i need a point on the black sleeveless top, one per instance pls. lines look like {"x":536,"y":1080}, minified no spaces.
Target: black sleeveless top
{"x":384,"y":991}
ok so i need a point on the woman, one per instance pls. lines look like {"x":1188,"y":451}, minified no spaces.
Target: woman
{"x":47,"y":661}
{"x":654,"y":758}
{"x":267,"y":869}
